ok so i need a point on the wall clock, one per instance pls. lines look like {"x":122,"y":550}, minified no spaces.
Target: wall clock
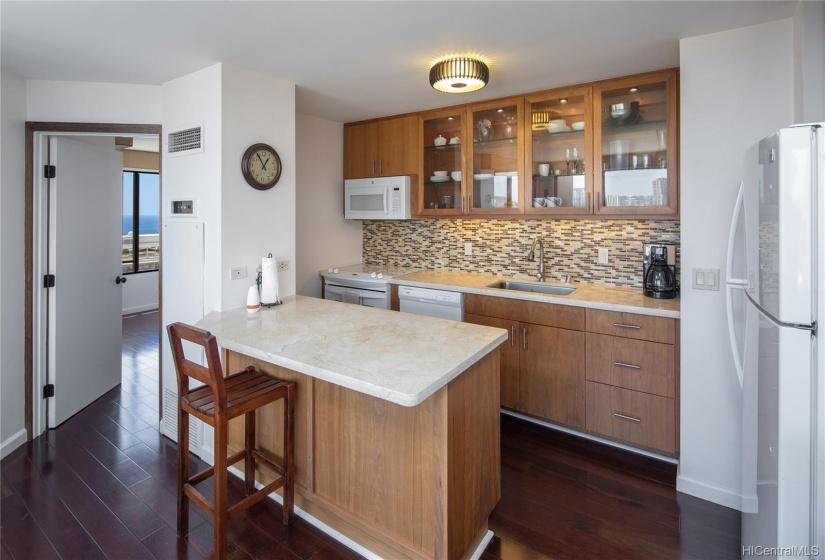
{"x":261,"y":166}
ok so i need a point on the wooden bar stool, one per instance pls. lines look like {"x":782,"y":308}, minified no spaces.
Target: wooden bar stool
{"x":220,"y":400}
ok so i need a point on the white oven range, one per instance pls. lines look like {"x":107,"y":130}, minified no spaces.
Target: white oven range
{"x":360,"y":284}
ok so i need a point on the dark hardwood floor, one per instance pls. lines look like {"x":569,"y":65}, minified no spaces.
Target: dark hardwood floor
{"x":102,"y":486}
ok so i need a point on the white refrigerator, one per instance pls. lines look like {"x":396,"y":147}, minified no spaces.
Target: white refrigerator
{"x":775,"y":292}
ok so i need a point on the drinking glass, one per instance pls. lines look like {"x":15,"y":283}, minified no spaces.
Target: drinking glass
{"x":568,"y":157}
{"x":575,"y":161}
{"x":661,"y":151}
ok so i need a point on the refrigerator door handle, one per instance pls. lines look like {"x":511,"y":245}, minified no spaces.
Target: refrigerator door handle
{"x":734,"y":284}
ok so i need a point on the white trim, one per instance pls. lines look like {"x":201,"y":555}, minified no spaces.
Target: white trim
{"x":591,"y":437}
{"x":318,"y":524}
{"x":12,"y":443}
{"x":712,"y":493}
{"x":140,"y":308}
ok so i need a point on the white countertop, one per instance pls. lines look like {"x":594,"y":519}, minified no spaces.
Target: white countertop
{"x":397,"y":357}
{"x":594,"y":296}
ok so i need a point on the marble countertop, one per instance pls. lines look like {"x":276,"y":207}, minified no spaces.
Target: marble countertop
{"x":397,"y":357}
{"x":595,"y":296}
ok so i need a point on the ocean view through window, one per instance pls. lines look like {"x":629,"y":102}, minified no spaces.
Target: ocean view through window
{"x":141,"y":222}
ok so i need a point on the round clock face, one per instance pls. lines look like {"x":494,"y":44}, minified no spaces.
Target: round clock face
{"x":261,"y":166}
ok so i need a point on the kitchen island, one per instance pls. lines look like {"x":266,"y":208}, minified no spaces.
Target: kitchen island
{"x":397,"y":419}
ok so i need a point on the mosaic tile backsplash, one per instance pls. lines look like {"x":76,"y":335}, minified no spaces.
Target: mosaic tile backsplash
{"x":501,"y":246}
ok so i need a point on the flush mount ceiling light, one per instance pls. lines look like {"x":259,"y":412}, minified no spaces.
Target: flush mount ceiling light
{"x":459,"y":75}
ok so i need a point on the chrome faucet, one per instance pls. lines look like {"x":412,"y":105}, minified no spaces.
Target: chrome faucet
{"x":532,"y":257}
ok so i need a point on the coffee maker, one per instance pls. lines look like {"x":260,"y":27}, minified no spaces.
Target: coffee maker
{"x":659,"y":271}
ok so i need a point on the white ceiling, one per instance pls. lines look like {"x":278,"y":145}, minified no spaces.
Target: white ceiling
{"x":353,"y":60}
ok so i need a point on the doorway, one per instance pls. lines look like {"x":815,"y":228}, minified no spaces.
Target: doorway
{"x":36,"y":403}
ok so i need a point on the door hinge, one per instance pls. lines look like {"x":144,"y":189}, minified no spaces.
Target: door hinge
{"x":48,"y":391}
{"x":48,"y":281}
{"x":49,"y":171}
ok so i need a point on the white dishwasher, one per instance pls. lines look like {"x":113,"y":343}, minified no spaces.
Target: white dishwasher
{"x":432,"y":303}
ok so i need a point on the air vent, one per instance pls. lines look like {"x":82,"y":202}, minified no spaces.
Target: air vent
{"x":188,"y":140}
{"x":170,"y":422}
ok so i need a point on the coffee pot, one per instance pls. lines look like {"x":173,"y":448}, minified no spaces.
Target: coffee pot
{"x":659,"y":271}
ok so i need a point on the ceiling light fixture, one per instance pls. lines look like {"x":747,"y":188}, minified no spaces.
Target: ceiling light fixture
{"x":459,"y":75}
{"x":563,"y":100}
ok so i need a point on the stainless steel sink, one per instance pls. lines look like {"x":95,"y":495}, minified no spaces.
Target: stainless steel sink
{"x":552,"y":289}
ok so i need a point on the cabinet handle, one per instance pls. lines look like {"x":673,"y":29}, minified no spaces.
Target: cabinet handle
{"x":623,"y":417}
{"x":623,"y":326}
{"x":524,"y":339}
{"x":462,"y":203}
{"x":621,"y":364}
{"x":598,"y":201}
{"x":512,"y":335}
{"x":373,"y":167}
{"x":380,"y":166}
{"x":589,"y":202}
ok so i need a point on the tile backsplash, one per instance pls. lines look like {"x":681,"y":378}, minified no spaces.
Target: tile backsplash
{"x":501,"y":246}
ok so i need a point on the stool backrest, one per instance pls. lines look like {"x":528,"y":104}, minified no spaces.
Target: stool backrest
{"x":211,"y":375}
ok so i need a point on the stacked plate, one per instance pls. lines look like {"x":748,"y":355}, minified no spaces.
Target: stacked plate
{"x":439,"y":179}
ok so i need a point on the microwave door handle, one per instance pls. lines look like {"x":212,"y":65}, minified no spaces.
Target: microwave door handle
{"x":386,"y":200}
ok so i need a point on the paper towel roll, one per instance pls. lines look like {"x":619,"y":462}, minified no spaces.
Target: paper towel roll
{"x":253,"y":300}
{"x":269,"y":281}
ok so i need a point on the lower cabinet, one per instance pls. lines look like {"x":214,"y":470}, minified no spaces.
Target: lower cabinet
{"x":609,"y":373}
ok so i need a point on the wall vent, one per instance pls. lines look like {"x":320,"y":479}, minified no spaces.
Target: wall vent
{"x":170,"y":422}
{"x":185,"y":141}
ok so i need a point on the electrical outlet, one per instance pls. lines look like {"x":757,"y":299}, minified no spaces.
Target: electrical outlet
{"x":603,"y":256}
{"x":237,"y":273}
{"x":283,"y":265}
{"x":468,"y":249}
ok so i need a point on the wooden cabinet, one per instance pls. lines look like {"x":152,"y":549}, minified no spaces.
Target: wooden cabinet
{"x":543,"y":365}
{"x":444,"y":145}
{"x":632,"y":379}
{"x":509,"y":357}
{"x":382,"y":148}
{"x":610,"y":373}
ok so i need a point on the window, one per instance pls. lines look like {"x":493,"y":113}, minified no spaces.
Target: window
{"x":141,"y":222}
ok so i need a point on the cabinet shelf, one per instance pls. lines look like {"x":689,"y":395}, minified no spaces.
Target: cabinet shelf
{"x":495,"y":142}
{"x":450,"y":147}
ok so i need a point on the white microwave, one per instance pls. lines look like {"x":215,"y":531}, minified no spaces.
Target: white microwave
{"x":381,"y":198}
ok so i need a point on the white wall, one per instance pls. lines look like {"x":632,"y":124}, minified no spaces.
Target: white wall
{"x":140,"y":292}
{"x":88,"y":102}
{"x":736,"y":88}
{"x":809,"y":62}
{"x":324,"y":238}
{"x":12,"y":270}
{"x":256,"y":108}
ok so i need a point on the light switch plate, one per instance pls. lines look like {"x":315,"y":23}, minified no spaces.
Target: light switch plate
{"x":706,"y":279}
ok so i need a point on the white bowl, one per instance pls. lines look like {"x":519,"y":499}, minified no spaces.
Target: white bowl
{"x":440,"y":173}
{"x":556,"y":128}
{"x":561,"y":122}
{"x":440,"y":141}
{"x":456,"y":175}
{"x":577,"y":126}
{"x":439,"y":179}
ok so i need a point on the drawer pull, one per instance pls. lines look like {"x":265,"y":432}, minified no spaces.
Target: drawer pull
{"x":623,"y":417}
{"x":623,"y":326}
{"x":524,"y":340}
{"x":512,"y":330}
{"x":621,"y":364}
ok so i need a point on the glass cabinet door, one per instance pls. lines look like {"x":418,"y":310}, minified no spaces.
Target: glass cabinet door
{"x":496,"y":157}
{"x":441,"y":191}
{"x":559,"y":155}
{"x":637,"y":140}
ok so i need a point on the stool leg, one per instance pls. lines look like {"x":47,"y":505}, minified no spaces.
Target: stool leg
{"x":249,"y":465}
{"x":183,"y":471}
{"x":220,"y":518}
{"x":289,"y":454}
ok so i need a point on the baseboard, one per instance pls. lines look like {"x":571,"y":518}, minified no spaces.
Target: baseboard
{"x":343,"y":539}
{"x":12,"y":443}
{"x":712,"y":493}
{"x":139,"y":308}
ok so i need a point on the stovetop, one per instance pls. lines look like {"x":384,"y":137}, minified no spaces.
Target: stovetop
{"x":365,"y":273}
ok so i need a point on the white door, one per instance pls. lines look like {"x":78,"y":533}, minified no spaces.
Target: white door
{"x":85,"y":209}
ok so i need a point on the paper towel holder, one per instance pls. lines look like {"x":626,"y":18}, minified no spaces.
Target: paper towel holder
{"x":259,"y":282}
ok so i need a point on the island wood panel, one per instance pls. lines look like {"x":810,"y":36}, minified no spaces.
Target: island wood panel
{"x":509,"y":386}
{"x":632,"y":325}
{"x":654,"y":424}
{"x":386,"y":475}
{"x":553,"y":374}
{"x":539,"y":313}
{"x":611,"y":360}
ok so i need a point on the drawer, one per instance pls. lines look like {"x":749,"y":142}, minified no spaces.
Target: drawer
{"x":631,"y":325}
{"x":548,"y":314}
{"x":632,"y":364}
{"x":632,"y":417}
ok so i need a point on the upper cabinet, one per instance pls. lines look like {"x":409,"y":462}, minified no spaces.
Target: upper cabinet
{"x":607,"y":149}
{"x":559,"y":152}
{"x":382,"y":148}
{"x":636,"y":141}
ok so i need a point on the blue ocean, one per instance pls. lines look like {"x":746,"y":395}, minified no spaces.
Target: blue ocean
{"x":148,"y":224}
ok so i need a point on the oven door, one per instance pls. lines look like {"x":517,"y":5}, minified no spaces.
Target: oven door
{"x":366,"y":202}
{"x":359,"y":295}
